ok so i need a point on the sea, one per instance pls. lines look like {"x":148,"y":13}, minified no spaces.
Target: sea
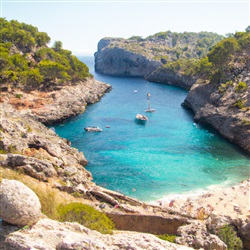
{"x":170,"y":154}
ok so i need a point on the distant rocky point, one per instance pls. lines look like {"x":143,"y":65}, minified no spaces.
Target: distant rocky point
{"x":153,"y":56}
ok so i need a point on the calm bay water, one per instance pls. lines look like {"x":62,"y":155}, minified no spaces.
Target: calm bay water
{"x":169,"y":154}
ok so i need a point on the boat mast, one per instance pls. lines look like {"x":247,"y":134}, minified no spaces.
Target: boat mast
{"x":148,"y":97}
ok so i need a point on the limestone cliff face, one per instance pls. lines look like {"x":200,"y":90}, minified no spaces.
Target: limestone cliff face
{"x":224,"y":108}
{"x":29,"y":146}
{"x":168,"y":76}
{"x":151,"y":57}
{"x":120,"y":62}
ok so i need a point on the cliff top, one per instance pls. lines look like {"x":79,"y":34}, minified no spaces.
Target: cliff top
{"x":165,"y":46}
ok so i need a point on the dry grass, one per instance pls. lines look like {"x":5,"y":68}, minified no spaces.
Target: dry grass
{"x":49,"y":197}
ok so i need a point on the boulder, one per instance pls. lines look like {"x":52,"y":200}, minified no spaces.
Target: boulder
{"x":195,"y":235}
{"x":19,"y":205}
{"x":242,"y":226}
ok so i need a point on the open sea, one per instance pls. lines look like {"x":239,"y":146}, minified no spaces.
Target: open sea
{"x":170,"y":154}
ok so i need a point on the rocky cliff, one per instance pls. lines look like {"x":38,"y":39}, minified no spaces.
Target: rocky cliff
{"x":226,"y":106}
{"x":150,"y":57}
{"x":57,"y":104}
{"x":171,"y":77}
{"x":119,"y":62}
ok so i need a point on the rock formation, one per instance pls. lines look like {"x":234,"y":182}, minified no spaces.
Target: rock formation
{"x":170,"y":77}
{"x":120,"y":62}
{"x":149,"y":57}
{"x":56,"y":105}
{"x":195,"y":235}
{"x":50,"y":235}
{"x":28,"y":146}
{"x":36,"y":150}
{"x":219,"y":108}
{"x":19,"y":205}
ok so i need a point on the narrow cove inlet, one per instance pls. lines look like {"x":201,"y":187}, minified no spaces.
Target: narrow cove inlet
{"x":169,"y":154}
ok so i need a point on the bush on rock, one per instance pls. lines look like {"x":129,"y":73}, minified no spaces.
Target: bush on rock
{"x":85,"y":215}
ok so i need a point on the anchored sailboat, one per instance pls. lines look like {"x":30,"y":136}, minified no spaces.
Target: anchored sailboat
{"x":149,"y":109}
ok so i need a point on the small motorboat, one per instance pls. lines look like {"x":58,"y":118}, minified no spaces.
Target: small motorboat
{"x":93,"y":129}
{"x":141,"y":117}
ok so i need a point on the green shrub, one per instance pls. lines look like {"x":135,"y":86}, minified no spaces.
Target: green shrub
{"x":228,"y":235}
{"x":85,"y":215}
{"x":246,"y":122}
{"x":239,"y":104}
{"x":242,"y":86}
{"x":12,"y":149}
{"x":2,"y":151}
{"x":19,"y":96}
{"x":224,"y":86}
{"x":167,"y":237}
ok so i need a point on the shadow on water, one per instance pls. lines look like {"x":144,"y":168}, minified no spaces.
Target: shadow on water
{"x":140,"y":122}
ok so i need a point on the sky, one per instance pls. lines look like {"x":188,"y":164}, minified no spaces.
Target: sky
{"x":80,"y":24}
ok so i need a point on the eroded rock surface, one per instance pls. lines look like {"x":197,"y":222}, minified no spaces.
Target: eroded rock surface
{"x":120,"y":62}
{"x":220,"y":108}
{"x":48,"y":234}
{"x":58,"y":104}
{"x":29,"y":146}
{"x":196,"y":235}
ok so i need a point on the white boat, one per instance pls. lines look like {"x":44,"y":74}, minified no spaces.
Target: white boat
{"x":93,"y":129}
{"x":149,"y":109}
{"x":141,"y":117}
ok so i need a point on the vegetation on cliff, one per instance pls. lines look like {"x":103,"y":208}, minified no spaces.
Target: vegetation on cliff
{"x":170,"y":46}
{"x":27,"y":61}
{"x":221,"y":96}
{"x":223,"y":62}
{"x":229,"y":57}
{"x":227,"y":65}
{"x":85,"y":215}
{"x":228,"y":235}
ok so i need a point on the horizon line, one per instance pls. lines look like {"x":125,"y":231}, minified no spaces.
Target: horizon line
{"x":125,"y":1}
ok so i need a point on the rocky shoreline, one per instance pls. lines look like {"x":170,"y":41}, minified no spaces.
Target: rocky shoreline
{"x":54,"y":106}
{"x":218,"y":110}
{"x":30,"y":147}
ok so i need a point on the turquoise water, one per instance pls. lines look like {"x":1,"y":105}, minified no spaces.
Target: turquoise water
{"x":169,"y":154}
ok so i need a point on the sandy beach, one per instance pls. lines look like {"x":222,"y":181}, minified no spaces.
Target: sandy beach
{"x":228,"y":201}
